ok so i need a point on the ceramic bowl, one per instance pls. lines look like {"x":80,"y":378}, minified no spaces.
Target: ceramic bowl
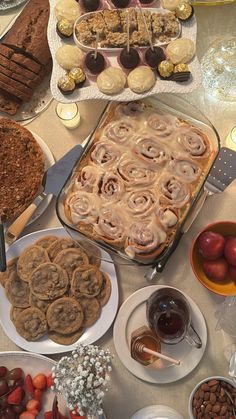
{"x":226,"y":287}
{"x":204,"y":381}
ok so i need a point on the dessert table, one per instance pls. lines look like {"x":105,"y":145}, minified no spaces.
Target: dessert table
{"x":127,"y":393}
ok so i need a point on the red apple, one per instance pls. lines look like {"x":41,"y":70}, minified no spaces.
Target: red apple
{"x":216,"y":269}
{"x":232,"y":272}
{"x":211,"y":245}
{"x":230,"y":250}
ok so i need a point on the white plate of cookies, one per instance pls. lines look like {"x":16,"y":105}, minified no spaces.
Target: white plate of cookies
{"x":55,"y":294}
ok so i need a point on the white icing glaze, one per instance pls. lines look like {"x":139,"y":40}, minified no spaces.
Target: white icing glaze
{"x":68,"y":9}
{"x":167,"y":218}
{"x":111,"y":80}
{"x":141,"y":79}
{"x":181,"y":50}
{"x":69,"y":56}
{"x":120,"y":131}
{"x":171,"y":4}
{"x":83,"y":206}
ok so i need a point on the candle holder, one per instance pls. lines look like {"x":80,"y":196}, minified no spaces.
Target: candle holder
{"x":69,"y":115}
{"x":231,"y":139}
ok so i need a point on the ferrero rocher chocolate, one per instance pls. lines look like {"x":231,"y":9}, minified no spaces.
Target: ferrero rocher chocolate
{"x":181,"y":73}
{"x":78,"y":75}
{"x":66,"y":85}
{"x":184,"y":11}
{"x":165,"y":69}
{"x":64,"y":28}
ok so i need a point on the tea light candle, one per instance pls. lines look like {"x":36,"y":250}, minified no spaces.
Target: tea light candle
{"x":231,"y":139}
{"x":69,"y":115}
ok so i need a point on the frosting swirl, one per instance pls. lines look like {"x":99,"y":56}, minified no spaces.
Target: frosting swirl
{"x":174,"y":191}
{"x":132,"y":109}
{"x":104,"y":154}
{"x":120,"y":131}
{"x":186,"y":169}
{"x":193,"y":141}
{"x":110,"y":225}
{"x":110,"y":187}
{"x":167,"y":217}
{"x":134,"y":174}
{"x":151,"y":152}
{"x":141,"y":202}
{"x":82,"y":207}
{"x":86,"y":179}
{"x":162,"y":125}
{"x":143,"y":238}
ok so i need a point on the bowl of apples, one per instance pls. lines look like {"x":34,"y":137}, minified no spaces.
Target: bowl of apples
{"x":213,"y":257}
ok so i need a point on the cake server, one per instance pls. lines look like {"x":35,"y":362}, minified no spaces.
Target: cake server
{"x":2,"y":248}
{"x":54,"y":179}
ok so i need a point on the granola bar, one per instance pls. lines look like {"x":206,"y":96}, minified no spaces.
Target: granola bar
{"x":133,"y":23}
{"x":139,"y":38}
{"x":114,"y":39}
{"x":112,"y":20}
{"x":157,"y":23}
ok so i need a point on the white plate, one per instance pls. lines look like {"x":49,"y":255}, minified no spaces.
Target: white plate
{"x":132,"y":314}
{"x":157,"y":412}
{"x":45,"y":345}
{"x":91,"y":91}
{"x":9,"y":4}
{"x":34,"y":364}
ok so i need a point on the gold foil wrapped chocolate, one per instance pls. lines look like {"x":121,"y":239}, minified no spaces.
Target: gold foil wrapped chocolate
{"x":178,"y":68}
{"x":66,"y":84}
{"x":184,"y":11}
{"x":78,"y":75}
{"x":165,"y":68}
{"x":181,"y":73}
{"x":64,"y":28}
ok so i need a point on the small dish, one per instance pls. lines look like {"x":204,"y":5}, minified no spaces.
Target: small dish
{"x":227,"y":287}
{"x":205,"y":381}
{"x":157,"y":412}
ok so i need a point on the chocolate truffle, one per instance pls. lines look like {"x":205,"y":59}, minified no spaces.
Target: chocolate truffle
{"x":78,"y":75}
{"x":64,"y":28}
{"x":165,"y":69}
{"x":91,"y":5}
{"x":184,"y":11}
{"x":66,"y":85}
{"x":121,"y":3}
{"x":181,"y":73}
{"x":95,"y":65}
{"x":154,"y":57}
{"x":129,"y":59}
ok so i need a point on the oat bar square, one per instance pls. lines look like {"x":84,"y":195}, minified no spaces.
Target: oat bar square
{"x":133,"y":23}
{"x":115,"y":39}
{"x":112,"y":20}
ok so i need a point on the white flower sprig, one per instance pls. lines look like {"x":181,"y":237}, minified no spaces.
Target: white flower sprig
{"x":82,"y":378}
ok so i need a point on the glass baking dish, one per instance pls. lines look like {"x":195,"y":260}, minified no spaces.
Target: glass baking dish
{"x":184,"y":111}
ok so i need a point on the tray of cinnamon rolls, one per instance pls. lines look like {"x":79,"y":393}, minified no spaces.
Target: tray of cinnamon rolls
{"x":139,"y":178}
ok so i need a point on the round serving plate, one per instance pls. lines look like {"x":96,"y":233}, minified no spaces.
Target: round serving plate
{"x":45,"y":345}
{"x":157,"y":412}
{"x":34,"y":364}
{"x":9,"y":4}
{"x":132,"y":315}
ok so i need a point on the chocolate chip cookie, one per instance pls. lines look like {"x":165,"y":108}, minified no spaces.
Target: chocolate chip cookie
{"x":46,"y":241}
{"x":105,"y":291}
{"x":17,"y":291}
{"x":91,"y":309}
{"x":65,"y":339}
{"x":11,"y":267}
{"x":29,"y":259}
{"x":31,"y":324}
{"x":14,"y":313}
{"x":70,"y":259}
{"x":36,"y":302}
{"x":59,"y":245}
{"x":86,"y":281}
{"x":65,"y":315}
{"x":49,"y":281}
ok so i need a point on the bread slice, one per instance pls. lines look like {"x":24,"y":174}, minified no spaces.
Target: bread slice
{"x":20,"y":59}
{"x":28,"y":35}
{"x":16,"y":68}
{"x":15,"y":88}
{"x":8,"y":103}
{"x":20,"y":78}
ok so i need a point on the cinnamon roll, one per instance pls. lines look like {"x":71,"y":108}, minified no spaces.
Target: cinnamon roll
{"x":120,"y":131}
{"x":132,"y":109}
{"x":163,"y":125}
{"x":186,"y":169}
{"x":104,"y":154}
{"x":141,"y":203}
{"x":86,"y":179}
{"x":144,"y":238}
{"x":81,"y":206}
{"x":134,"y":174}
{"x":150,"y":151}
{"x":174,"y":191}
{"x":194,"y":141}
{"x":110,"y":225}
{"x":110,"y":187}
{"x":168,"y":217}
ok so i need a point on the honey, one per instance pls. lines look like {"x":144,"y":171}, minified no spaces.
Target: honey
{"x":143,"y":335}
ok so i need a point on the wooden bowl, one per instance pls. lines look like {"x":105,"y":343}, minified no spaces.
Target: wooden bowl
{"x":226,"y":287}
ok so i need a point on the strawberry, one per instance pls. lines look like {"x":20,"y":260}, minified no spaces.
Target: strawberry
{"x":38,"y":394}
{"x":33,"y":405}
{"x":29,"y":385}
{"x":76,"y":416}
{"x":40,"y":381}
{"x":34,"y":412}
{"x":48,"y":415}
{"x":49,"y":380}
{"x":15,"y":396}
{"x":27,"y":415}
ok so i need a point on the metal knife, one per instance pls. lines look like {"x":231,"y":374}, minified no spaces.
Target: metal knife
{"x":54,"y":180}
